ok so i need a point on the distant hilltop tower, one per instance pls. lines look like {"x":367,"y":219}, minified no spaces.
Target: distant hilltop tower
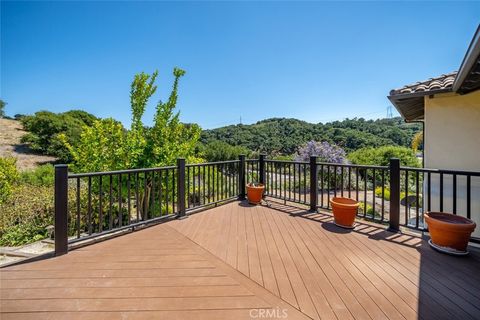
{"x":389,"y":112}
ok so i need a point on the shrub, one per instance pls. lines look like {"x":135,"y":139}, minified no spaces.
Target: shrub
{"x":325,"y":152}
{"x":386,"y":194}
{"x":44,"y":129}
{"x":41,"y":176}
{"x":25,"y":215}
{"x":381,"y":156}
{"x":8,"y":176}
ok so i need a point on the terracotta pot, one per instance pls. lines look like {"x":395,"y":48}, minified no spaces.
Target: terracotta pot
{"x":449,"y":230}
{"x":344,"y":211}
{"x":255,"y":193}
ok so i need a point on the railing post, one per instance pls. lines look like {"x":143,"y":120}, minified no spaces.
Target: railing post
{"x":394,"y":195}
{"x":313,"y":183}
{"x":241,"y":178}
{"x":181,"y":188}
{"x":261,"y":169}
{"x":61,"y":209}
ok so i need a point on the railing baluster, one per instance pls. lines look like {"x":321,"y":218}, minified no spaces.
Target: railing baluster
{"x":78,"y":207}
{"x":349,"y":182}
{"x":441,"y":192}
{"x":454,"y":198}
{"x":160,"y":196}
{"x":429,"y":191}
{"x":129,"y":209}
{"x":365,"y":190}
{"x":469,"y":196}
{"x":373,"y":193}
{"x":110,"y":213}
{"x":417,"y":195}
{"x":90,"y":229}
{"x":383,"y":195}
{"x":100,"y":205}
{"x":406,"y":202}
{"x":341,"y":181}
{"x":120,"y":216}
{"x":322,"y":186}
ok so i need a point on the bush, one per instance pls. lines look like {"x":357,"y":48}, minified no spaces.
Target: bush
{"x":8,"y":176}
{"x":381,"y":156}
{"x":25,"y":215}
{"x":41,"y":176}
{"x":222,"y":151}
{"x":386,"y":194}
{"x":44,"y":129}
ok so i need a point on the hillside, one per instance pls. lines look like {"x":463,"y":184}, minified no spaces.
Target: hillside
{"x":284,"y":136}
{"x":11,"y":132}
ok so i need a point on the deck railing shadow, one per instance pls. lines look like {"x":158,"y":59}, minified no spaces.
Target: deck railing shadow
{"x":372,"y":231}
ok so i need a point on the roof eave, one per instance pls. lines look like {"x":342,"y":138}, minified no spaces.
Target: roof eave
{"x":469,"y":61}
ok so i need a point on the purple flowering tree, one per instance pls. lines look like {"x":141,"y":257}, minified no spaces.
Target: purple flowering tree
{"x":325,"y":152}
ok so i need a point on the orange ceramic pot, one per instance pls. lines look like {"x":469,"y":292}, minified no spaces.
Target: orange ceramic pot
{"x":255,"y":193}
{"x":448,"y":230}
{"x":344,"y":211}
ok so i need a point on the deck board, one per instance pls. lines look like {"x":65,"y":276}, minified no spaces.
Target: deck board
{"x":226,"y":261}
{"x":153,"y":273}
{"x":330,"y":273}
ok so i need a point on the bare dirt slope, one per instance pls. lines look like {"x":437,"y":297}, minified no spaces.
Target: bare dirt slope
{"x":11,"y":132}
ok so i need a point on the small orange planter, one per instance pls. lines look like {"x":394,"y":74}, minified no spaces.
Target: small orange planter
{"x":344,"y":211}
{"x":448,"y":232}
{"x":255,"y":193}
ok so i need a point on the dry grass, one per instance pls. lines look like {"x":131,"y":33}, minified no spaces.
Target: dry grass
{"x":11,"y":132}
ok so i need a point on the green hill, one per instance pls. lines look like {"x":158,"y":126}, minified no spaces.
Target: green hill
{"x":284,"y":136}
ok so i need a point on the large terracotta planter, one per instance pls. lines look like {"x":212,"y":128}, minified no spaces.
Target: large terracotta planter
{"x":255,"y":192}
{"x":344,"y":211}
{"x":448,"y":232}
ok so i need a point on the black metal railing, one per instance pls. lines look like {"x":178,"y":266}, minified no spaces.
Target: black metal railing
{"x":211,"y":183}
{"x":287,"y":180}
{"x":92,"y":204}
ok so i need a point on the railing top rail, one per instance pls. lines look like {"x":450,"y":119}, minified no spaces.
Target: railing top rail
{"x":443,"y":171}
{"x":211,"y":163}
{"x":352,"y":165}
{"x":116,"y":172}
{"x":287,"y":161}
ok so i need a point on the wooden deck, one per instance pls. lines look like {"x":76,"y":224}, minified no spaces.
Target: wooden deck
{"x":331,"y":273}
{"x":227,"y":261}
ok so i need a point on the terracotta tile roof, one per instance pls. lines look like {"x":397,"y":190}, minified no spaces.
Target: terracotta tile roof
{"x":443,"y":82}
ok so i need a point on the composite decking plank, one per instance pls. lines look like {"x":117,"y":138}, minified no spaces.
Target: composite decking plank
{"x":323,"y":295}
{"x":304,"y":300}
{"x":253,"y":256}
{"x":125,"y":292}
{"x":268,"y":274}
{"x":242,"y":245}
{"x":283,"y":281}
{"x":434,"y":284}
{"x":322,"y":265}
{"x":326,"y":254}
{"x":232,"y":242}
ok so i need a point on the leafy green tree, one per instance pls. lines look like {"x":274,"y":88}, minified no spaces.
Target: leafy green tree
{"x":382,"y":155}
{"x":2,"y":108}
{"x":44,"y":129}
{"x":222,"y":151}
{"x":106,"y":145}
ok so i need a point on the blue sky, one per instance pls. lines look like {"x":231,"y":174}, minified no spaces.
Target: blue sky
{"x":316,"y":61}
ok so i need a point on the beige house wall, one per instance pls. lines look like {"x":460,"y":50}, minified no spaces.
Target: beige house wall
{"x":452,"y":131}
{"x":452,"y":141}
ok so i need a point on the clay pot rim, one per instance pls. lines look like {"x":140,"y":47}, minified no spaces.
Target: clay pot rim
{"x":464,"y":223}
{"x":351,"y":203}
{"x":260,"y":186}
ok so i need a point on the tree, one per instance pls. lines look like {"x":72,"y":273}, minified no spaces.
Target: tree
{"x":108,"y":146}
{"x":44,"y":129}
{"x":222,"y":151}
{"x":382,"y":155}
{"x":417,"y":141}
{"x":324,"y":151}
{"x":2,"y":108}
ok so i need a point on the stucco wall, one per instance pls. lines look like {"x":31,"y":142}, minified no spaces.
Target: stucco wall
{"x":452,"y":141}
{"x":452,"y":131}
